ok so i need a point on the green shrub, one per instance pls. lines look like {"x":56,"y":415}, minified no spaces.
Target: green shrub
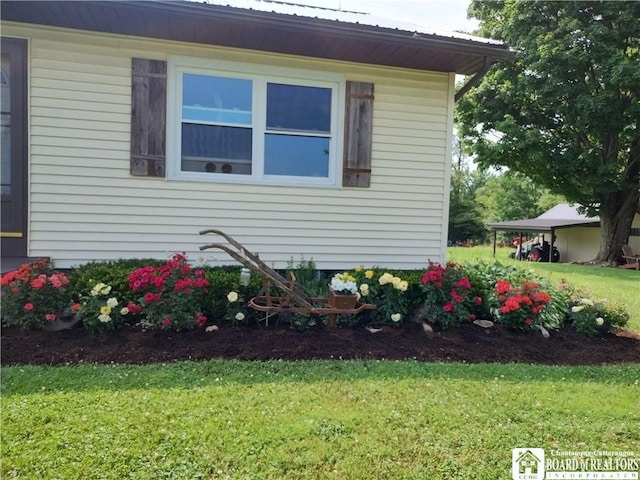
{"x":222,"y":281}
{"x":598,"y":317}
{"x":113,"y":273}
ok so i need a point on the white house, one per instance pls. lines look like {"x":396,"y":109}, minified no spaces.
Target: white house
{"x":300,"y":131}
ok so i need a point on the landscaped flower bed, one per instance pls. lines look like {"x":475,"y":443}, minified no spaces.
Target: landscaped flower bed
{"x":174,"y":295}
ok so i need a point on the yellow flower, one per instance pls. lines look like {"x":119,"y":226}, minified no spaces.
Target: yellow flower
{"x":124,"y":311}
{"x":364,"y":289}
{"x":396,"y":317}
{"x":104,"y":318}
{"x":577,"y":308}
{"x":97,"y":289}
{"x":586,"y":301}
{"x":599,"y":321}
{"x":359,"y":268}
{"x":232,"y":297}
{"x":403,"y":286}
{"x":386,"y":278}
{"x":369,"y":274}
{"x":239,"y":316}
{"x":106,"y":310}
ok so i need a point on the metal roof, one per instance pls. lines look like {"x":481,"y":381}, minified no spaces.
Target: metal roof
{"x":560,"y":216}
{"x":271,"y":27}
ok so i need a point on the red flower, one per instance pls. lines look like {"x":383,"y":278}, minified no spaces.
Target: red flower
{"x":28,"y":306}
{"x":464,"y":283}
{"x":502,"y":286}
{"x":448,"y":307}
{"x":167,"y":321}
{"x":39,"y":282}
{"x":50,"y":317}
{"x":528,"y":321}
{"x":472,"y":317}
{"x":478,"y":300}
{"x":148,"y":298}
{"x":75,"y":307}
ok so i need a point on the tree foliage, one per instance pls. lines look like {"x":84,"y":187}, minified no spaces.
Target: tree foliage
{"x":566,"y":111}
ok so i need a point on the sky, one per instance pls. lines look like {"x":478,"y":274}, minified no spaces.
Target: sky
{"x":443,"y":14}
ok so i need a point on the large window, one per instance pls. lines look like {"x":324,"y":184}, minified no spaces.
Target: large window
{"x":231,"y":122}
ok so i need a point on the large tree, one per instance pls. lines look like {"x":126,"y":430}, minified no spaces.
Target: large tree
{"x":566,"y":111}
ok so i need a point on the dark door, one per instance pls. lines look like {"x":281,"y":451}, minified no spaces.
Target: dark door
{"x":13,"y":144}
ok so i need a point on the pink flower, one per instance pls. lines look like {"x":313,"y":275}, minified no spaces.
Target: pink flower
{"x":448,"y":307}
{"x":28,"y":306}
{"x":166,"y":321}
{"x":148,"y":298}
{"x":478,"y":300}
{"x":472,"y":317}
{"x":528,"y":321}
{"x":50,"y":317}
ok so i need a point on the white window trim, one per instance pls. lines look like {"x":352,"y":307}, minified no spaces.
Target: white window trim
{"x":260,"y":74}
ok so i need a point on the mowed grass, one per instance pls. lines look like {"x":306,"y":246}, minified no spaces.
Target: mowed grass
{"x":615,"y":284}
{"x":306,"y":420}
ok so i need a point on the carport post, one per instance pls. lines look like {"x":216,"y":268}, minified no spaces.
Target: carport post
{"x":495,"y":234}
{"x":551,"y":245}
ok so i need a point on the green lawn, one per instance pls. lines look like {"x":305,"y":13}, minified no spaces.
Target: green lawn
{"x":615,"y":284}
{"x":306,"y":420}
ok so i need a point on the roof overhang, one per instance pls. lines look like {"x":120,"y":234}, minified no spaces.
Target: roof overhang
{"x":542,"y":225}
{"x":227,"y":26}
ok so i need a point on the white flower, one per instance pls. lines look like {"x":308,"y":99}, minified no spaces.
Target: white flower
{"x":599,"y":321}
{"x":577,"y":308}
{"x":112,"y":302}
{"x":364,"y":289}
{"x":104,"y":318}
{"x":385,"y":278}
{"x":402,"y":286}
{"x":396,"y":317}
{"x":343,"y":283}
{"x":587,"y":301}
{"x":232,"y":297}
{"x":239,"y":316}
{"x":97,"y":289}
{"x":124,"y":311}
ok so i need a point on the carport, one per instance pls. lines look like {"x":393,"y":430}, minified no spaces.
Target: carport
{"x":560,"y":216}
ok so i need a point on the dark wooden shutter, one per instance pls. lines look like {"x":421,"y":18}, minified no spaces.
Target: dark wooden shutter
{"x":148,"y":117}
{"x":356,"y":170}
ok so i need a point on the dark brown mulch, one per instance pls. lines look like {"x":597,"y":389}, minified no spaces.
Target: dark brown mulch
{"x":470,"y":344}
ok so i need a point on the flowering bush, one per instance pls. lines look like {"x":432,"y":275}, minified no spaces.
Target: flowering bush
{"x":386,"y":291}
{"x":344,"y":284}
{"x":238,"y":312}
{"x":519,"y":307}
{"x":597,"y":317}
{"x":102,"y":311}
{"x":446,"y":295}
{"x":32,"y":295}
{"x":173,"y":294}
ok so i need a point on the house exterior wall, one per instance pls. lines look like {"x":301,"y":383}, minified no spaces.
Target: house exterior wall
{"x":84,"y":205}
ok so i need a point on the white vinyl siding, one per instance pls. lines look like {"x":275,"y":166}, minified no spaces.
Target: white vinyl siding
{"x":84,"y":204}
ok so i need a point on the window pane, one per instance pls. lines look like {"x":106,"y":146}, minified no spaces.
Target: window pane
{"x":207,"y":148}
{"x":291,"y":107}
{"x":296,"y":156}
{"x":216,"y":99}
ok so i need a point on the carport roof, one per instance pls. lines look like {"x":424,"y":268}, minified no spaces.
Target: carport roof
{"x":560,"y":216}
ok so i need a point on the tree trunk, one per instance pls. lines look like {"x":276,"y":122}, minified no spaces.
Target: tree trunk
{"x":616,"y":218}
